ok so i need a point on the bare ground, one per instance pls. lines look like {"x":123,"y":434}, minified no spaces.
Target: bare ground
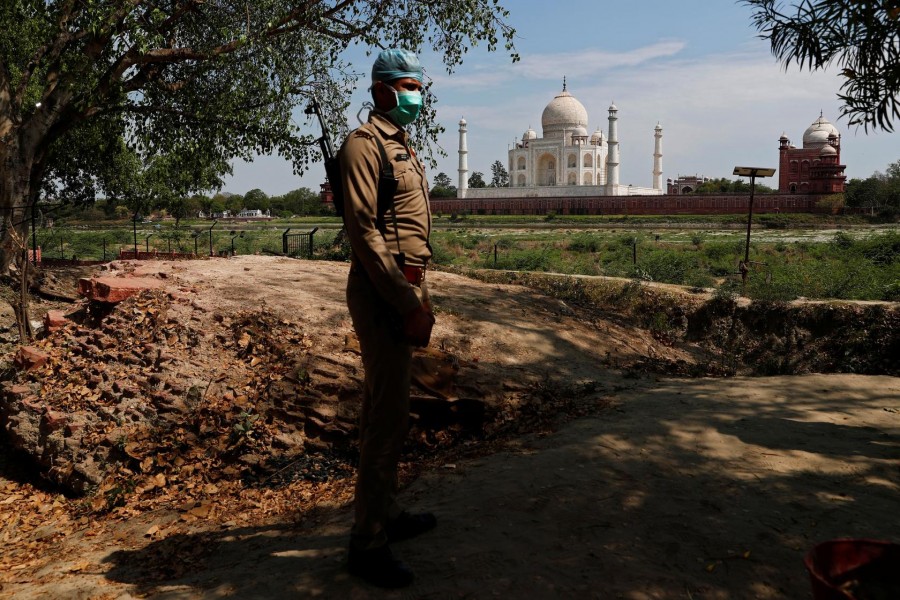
{"x":669,"y":488}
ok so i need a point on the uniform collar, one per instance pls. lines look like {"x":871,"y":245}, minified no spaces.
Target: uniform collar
{"x":387,"y":127}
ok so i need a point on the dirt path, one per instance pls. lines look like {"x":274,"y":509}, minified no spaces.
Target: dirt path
{"x":682,"y":488}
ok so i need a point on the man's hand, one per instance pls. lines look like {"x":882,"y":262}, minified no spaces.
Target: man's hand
{"x":417,"y":326}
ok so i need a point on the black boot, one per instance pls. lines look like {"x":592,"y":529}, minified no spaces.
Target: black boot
{"x":378,"y":566}
{"x":408,"y":525}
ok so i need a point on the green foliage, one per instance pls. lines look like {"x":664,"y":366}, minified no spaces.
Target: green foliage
{"x":862,"y":38}
{"x":532,"y":259}
{"x":442,"y":180}
{"x":442,"y":192}
{"x":833,"y":202}
{"x":256,"y":199}
{"x":842,"y":240}
{"x":185,"y":87}
{"x":724,"y":186}
{"x":844,"y":267}
{"x":880,"y":192}
{"x":499,"y":175}
{"x":674,"y":267}
{"x":476,"y":180}
{"x":584,"y":242}
{"x":891,"y":292}
{"x":300,"y":202}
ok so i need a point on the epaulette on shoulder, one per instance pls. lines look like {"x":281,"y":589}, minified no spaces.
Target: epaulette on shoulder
{"x":360,"y":133}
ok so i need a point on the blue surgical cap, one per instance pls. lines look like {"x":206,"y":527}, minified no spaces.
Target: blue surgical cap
{"x":394,"y":64}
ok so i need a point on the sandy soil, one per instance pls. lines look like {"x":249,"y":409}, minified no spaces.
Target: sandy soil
{"x":680,"y":488}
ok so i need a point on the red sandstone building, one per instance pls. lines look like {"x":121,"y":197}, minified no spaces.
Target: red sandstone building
{"x":684,"y":184}
{"x":816,"y":167}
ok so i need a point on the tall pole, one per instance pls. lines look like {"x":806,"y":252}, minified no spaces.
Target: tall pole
{"x":210,"y":236}
{"x":752,"y":173}
{"x":749,"y":221}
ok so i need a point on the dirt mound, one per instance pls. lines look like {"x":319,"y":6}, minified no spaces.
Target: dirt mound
{"x":217,"y":415}
{"x":731,"y":335}
{"x":142,"y":401}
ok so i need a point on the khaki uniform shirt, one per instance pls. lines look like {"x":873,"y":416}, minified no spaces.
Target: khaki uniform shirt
{"x":372,"y":250}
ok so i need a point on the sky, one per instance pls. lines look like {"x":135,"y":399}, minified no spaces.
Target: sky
{"x":696,"y":67}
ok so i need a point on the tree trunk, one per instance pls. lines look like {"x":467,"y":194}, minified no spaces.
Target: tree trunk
{"x":16,"y":195}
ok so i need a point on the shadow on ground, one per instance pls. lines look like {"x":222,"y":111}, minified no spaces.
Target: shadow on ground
{"x":684,"y":489}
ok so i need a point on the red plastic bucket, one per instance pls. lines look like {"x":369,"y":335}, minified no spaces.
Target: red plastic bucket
{"x":854,"y":570}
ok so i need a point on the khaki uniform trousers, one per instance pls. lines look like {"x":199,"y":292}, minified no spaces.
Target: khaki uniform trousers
{"x":384,"y":416}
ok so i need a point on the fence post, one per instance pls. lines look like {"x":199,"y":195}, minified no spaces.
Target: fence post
{"x":310,"y":250}
{"x":284,"y":245}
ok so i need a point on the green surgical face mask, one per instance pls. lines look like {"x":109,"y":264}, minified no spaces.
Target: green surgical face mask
{"x":408,"y":106}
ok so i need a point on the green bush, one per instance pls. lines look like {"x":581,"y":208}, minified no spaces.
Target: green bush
{"x":891,"y":292}
{"x":668,"y":267}
{"x":583,"y":242}
{"x":842,"y":240}
{"x":532,"y":259}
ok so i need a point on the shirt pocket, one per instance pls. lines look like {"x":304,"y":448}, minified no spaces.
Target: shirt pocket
{"x":408,"y":178}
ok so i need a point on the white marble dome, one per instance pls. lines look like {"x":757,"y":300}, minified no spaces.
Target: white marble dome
{"x":597,"y":136}
{"x":827,"y":150}
{"x":563,"y":112}
{"x":531,"y":134}
{"x":816,"y":135}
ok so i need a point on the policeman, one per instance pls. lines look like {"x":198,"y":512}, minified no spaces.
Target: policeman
{"x":389,"y":305}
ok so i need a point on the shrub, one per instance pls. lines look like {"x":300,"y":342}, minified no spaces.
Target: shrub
{"x":842,"y":240}
{"x":833,"y":203}
{"x":891,"y":292}
{"x":583,"y":242}
{"x":668,"y":267}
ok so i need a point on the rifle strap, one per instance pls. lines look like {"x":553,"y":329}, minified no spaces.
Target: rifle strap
{"x":387,"y":187}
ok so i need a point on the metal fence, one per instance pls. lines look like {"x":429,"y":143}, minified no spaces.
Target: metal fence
{"x":298,"y":245}
{"x":82,"y":244}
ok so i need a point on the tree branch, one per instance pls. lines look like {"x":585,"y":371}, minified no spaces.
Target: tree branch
{"x":51,"y":50}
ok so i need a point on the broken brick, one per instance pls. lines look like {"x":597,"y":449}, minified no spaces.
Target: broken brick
{"x":54,"y":420}
{"x":55,"y":319}
{"x":115,"y":289}
{"x":29,"y":358}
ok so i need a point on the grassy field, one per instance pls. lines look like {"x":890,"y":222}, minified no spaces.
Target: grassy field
{"x":859,"y":265}
{"x":859,"y":262}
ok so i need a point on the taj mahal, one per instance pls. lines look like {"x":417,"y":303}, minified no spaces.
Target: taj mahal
{"x":566,"y":160}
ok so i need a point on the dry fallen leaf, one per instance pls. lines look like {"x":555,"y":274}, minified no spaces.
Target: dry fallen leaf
{"x":201,"y":511}
{"x":244,"y":340}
